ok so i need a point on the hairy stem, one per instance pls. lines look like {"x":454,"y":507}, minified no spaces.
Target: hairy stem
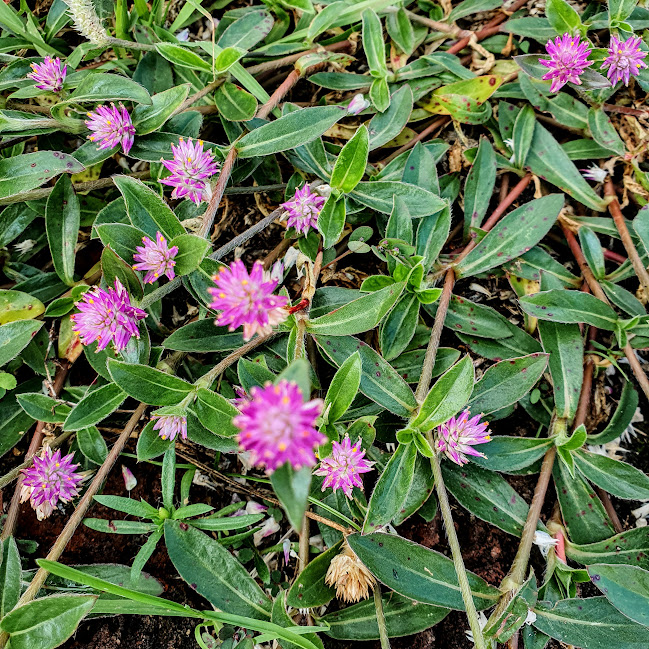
{"x":217,"y":194}
{"x":380,"y":618}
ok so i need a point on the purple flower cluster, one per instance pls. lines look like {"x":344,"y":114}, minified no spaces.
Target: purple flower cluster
{"x":107,"y":316}
{"x":190,"y":168}
{"x":51,"y":479}
{"x":49,"y":75}
{"x":111,"y":126}
{"x":278,"y":426}
{"x":343,"y":467}
{"x":169,"y":426}
{"x":303,"y":210}
{"x":247,"y":299}
{"x":458,"y":435}
{"x":568,"y":59}
{"x":624,"y":59}
{"x":155,"y":257}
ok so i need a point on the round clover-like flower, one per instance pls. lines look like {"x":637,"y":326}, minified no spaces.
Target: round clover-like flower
{"x":624,"y":59}
{"x":247,"y":299}
{"x":107,"y":316}
{"x":49,"y":75}
{"x":278,"y":426}
{"x":342,"y":469}
{"x":110,"y":126}
{"x":169,"y":426}
{"x":190,"y":168}
{"x":350,"y":577}
{"x":458,"y":435}
{"x":155,"y":257}
{"x":568,"y":59}
{"x":303,"y":210}
{"x":51,"y":479}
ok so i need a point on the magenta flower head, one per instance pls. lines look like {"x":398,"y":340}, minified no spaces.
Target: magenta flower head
{"x":568,"y":59}
{"x":169,"y":426}
{"x":278,"y":426}
{"x":458,"y":435}
{"x":49,"y":75}
{"x":190,"y":168}
{"x":51,"y":479}
{"x":342,"y":469}
{"x":156,"y":257}
{"x":624,"y":59}
{"x":107,"y":316}
{"x":303,"y":210}
{"x":247,"y":299}
{"x":111,"y":126}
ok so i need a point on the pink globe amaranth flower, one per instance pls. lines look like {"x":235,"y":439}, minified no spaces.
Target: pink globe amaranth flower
{"x":190,"y":168}
{"x":303,"y":210}
{"x":49,"y":75}
{"x":458,"y":435}
{"x":111,"y":126}
{"x":169,"y":426}
{"x":568,"y":59}
{"x":624,"y":59}
{"x":278,"y":426}
{"x":357,"y":105}
{"x":343,"y":467}
{"x":247,"y":299}
{"x":107,"y":316}
{"x":51,"y":479}
{"x":156,"y":257}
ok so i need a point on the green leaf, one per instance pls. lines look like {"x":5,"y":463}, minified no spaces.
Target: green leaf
{"x":62,"y":218}
{"x":46,"y":623}
{"x":447,"y":397}
{"x":379,"y":195}
{"x":584,"y":515}
{"x":183,"y":57}
{"x":357,"y":316}
{"x":421,"y":488}
{"x":10,"y":576}
{"x":548,"y":160}
{"x":385,"y":126}
{"x":331,"y":221}
{"x":565,"y":347}
{"x":617,"y":478}
{"x":114,"y":267}
{"x":215,"y":413}
{"x":213,"y":572}
{"x":506,"y":382}
{"x":402,"y":617}
{"x":487,"y":495}
{"x":191,"y":252}
{"x":619,"y":10}
{"x":309,"y":589}
{"x":122,"y":238}
{"x":570,"y":307}
{"x":626,"y":587}
{"x":510,"y":454}
{"x":351,"y":162}
{"x":621,"y":418}
{"x":593,"y":251}
{"x":604,"y":132}
{"x":401,"y":31}
{"x":42,"y":407}
{"x":562,"y":17}
{"x":25,"y":172}
{"x":373,"y":43}
{"x":630,"y":547}
{"x":289,"y":131}
{"x":280,"y":617}
{"x":399,"y":327}
{"x":229,"y":523}
{"x":94,"y":407}
{"x":522,"y":134}
{"x":245,"y":32}
{"x":203,"y":336}
{"x":479,"y":185}
{"x":234,"y":103}
{"x":379,"y":380}
{"x":119,"y":526}
{"x":417,"y":572}
{"x":16,"y":305}
{"x":147,"y":384}
{"x":92,"y":445}
{"x":590,"y":623}
{"x":146,"y":210}
{"x":513,"y":236}
{"x":343,"y":388}
{"x":292,"y":488}
{"x":391,"y":488}
{"x":102,"y":87}
{"x":147,"y":119}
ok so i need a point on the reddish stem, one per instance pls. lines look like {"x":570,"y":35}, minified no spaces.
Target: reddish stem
{"x":614,"y":256}
{"x":279,"y":94}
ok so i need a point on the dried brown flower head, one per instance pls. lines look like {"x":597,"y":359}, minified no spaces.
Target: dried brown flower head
{"x":350,"y":577}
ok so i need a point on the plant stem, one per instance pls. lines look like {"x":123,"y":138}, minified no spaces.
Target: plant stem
{"x":627,"y":241}
{"x":132,"y":45}
{"x":460,"y":570}
{"x":380,"y":618}
{"x":190,"y":101}
{"x":217,"y":195}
